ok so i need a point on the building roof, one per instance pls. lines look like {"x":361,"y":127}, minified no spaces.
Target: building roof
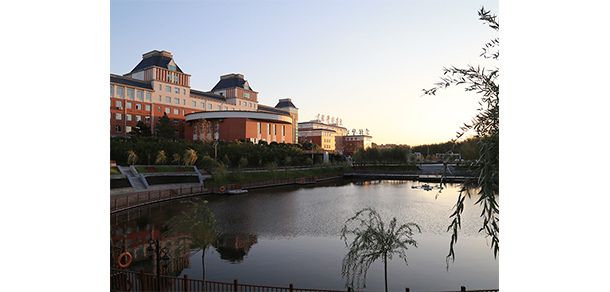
{"x":232,"y":80}
{"x":208,"y":95}
{"x":264,"y":108}
{"x":155,"y":58}
{"x":283,"y":103}
{"x":130,"y":82}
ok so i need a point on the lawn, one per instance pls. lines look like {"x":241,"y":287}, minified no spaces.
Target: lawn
{"x":144,"y":169}
{"x":114,"y":170}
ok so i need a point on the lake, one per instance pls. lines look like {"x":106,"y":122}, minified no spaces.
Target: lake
{"x":286,"y":235}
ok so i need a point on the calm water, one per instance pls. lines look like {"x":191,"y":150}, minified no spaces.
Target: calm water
{"x":291,"y":235}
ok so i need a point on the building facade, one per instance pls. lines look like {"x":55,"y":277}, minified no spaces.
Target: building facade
{"x":158,"y":86}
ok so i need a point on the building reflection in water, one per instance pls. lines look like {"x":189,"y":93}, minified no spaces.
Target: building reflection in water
{"x":234,"y":247}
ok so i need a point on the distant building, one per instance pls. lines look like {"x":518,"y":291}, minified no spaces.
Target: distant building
{"x":158,"y":86}
{"x":353,"y":142}
{"x":327,"y":136}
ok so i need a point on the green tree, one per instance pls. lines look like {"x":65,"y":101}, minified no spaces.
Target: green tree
{"x":176,"y":158}
{"x":199,"y":226}
{"x":373,"y":240}
{"x":141,"y":130}
{"x":486,"y":127}
{"x":164,"y":127}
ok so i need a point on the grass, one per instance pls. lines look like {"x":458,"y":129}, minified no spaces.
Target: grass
{"x":141,"y":169}
{"x":114,"y":170}
{"x":266,"y":175}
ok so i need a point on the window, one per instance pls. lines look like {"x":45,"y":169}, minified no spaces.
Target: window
{"x":176,"y":80}
{"x":160,"y":98}
{"x":258,"y":127}
{"x":209,"y":105}
{"x":193,"y":103}
{"x":240,"y":102}
{"x":147,"y":119}
{"x":128,"y":117}
{"x":130,"y":93}
{"x":176,"y":100}
{"x":159,"y":109}
{"x":183,"y":101}
{"x":119,"y":103}
{"x":268,"y":129}
{"x":138,"y":118}
{"x":219,"y":107}
{"x":148,"y":96}
{"x":160,"y":87}
{"x":168,"y":88}
{"x":120,"y":91}
{"x":246,"y":95}
{"x":176,"y":122}
{"x":117,"y":128}
{"x":169,"y":77}
{"x":274,"y":129}
{"x":226,"y":108}
{"x":140,"y":95}
{"x":184,"y":91}
{"x":168,"y":110}
{"x":138,"y":106}
{"x":119,"y":116}
{"x":177,"y":90}
{"x":283,"y":130}
{"x":147,"y":107}
{"x":202,"y":105}
{"x":183,"y":112}
{"x":111,"y":90}
{"x":176,"y":111}
{"x":173,"y":68}
{"x":128,"y":129}
{"x":128,"y":104}
{"x":168,"y":99}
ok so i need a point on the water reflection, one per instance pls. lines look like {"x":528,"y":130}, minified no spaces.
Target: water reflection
{"x":291,"y":235}
{"x":234,"y":247}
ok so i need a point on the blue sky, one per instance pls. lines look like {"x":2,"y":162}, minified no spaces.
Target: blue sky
{"x":365,"y":62}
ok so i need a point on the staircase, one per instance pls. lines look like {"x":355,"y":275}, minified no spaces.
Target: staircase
{"x":134,"y":178}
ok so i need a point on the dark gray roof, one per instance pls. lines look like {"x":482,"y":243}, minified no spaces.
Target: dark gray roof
{"x":284,"y":104}
{"x":208,"y":95}
{"x":155,"y":60}
{"x":230,"y":83}
{"x":264,"y":108}
{"x":130,"y":82}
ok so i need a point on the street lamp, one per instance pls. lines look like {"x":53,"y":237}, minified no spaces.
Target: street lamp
{"x":154,"y":248}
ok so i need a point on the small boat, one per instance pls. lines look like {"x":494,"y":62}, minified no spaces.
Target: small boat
{"x":237,"y":192}
{"x":413,"y":187}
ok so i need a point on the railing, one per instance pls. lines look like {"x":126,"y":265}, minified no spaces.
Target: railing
{"x":143,"y":198}
{"x":125,"y":280}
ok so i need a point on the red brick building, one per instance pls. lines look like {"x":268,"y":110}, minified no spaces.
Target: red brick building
{"x":158,"y":86}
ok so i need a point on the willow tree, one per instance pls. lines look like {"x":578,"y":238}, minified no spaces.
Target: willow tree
{"x":161,"y":157}
{"x":486,"y":128}
{"x":373,"y":240}
{"x":132,"y":158}
{"x":199,"y":227}
{"x":189,"y":158}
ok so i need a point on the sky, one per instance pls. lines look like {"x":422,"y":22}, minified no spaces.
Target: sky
{"x":365,"y":62}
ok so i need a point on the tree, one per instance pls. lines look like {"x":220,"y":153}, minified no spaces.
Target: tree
{"x":132,"y":158}
{"x":190,"y":156}
{"x":199,"y":227}
{"x":176,"y":158}
{"x":141,"y":130}
{"x":161,"y":157}
{"x":164,"y":127}
{"x":373,"y":240}
{"x":486,"y":127}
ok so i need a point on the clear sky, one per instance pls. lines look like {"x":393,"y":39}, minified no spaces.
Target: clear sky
{"x":365,"y":62}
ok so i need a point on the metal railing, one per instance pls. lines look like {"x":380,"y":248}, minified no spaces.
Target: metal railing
{"x":125,"y":280}
{"x":137,"y":199}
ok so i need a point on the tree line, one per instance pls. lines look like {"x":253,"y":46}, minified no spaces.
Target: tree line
{"x":233,"y":154}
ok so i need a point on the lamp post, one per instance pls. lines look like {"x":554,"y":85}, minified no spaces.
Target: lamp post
{"x":154,"y":248}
